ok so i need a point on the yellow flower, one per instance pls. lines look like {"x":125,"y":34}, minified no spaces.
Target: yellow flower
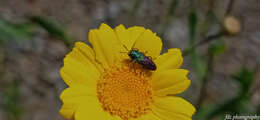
{"x":105,"y":85}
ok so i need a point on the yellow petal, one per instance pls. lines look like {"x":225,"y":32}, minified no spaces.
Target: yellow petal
{"x":67,"y":110}
{"x":172,"y":81}
{"x":92,"y":110}
{"x":138,"y":37}
{"x":149,"y":116}
{"x":173,"y":108}
{"x":70,"y":106}
{"x":79,"y":66}
{"x":149,"y":43}
{"x":105,"y":44}
{"x":124,"y":36}
{"x":170,"y":60}
{"x":77,"y":91}
{"x":88,"y":52}
{"x":134,"y":33}
{"x":73,"y":97}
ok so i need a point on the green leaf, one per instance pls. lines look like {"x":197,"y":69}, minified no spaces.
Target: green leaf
{"x":192,"y":25}
{"x":15,"y":31}
{"x":53,"y":29}
{"x":258,"y":109}
{"x":245,"y":77}
{"x":205,"y":111}
{"x":11,"y":101}
{"x":173,"y":6}
{"x":238,"y":104}
{"x":198,"y":64}
{"x":217,"y":47}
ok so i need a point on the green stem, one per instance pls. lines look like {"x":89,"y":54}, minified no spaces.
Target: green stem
{"x":209,"y":39}
{"x":205,"y":79}
{"x":230,"y":7}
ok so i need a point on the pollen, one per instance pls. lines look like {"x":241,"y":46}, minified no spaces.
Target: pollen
{"x":125,"y":90}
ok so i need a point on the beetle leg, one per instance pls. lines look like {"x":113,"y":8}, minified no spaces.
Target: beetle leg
{"x":151,"y":58}
{"x":135,"y":49}
{"x":145,"y":52}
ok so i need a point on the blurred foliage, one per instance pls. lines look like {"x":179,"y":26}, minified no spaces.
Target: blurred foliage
{"x":258,"y":109}
{"x":10,"y":31}
{"x":53,"y":29}
{"x":15,"y":31}
{"x":11,"y":101}
{"x":217,"y":47}
{"x":203,"y":67}
{"x":2,"y":60}
{"x":192,"y":25}
{"x":173,"y":6}
{"x":237,"y":105}
{"x":208,"y":22}
{"x":245,"y":77}
{"x":167,"y":20}
{"x":24,"y":31}
{"x":197,"y":63}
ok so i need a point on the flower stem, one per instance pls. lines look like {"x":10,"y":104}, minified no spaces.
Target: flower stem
{"x":208,"y":39}
{"x":205,"y":79}
{"x":230,"y":7}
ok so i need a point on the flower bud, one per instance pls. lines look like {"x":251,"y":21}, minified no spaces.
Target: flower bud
{"x":232,"y":25}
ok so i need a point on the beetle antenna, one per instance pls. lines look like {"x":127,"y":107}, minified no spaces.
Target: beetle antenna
{"x":123,"y":52}
{"x":125,"y":47}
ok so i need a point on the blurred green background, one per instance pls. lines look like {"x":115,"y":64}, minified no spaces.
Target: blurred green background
{"x":219,"y":40}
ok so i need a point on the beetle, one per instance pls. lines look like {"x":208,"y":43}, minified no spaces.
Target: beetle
{"x":141,"y":58}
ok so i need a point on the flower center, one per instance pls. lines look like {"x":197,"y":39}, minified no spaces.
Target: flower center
{"x":125,"y":90}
